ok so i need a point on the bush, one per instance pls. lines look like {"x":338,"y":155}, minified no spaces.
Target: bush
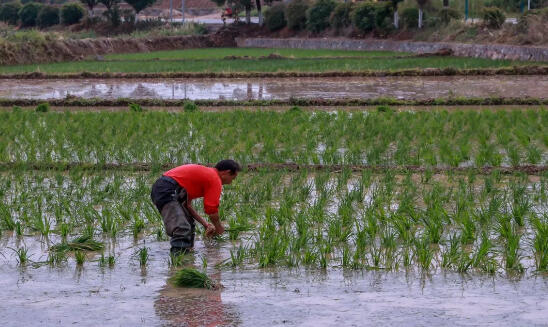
{"x":449,"y":14}
{"x":274,"y":17}
{"x":410,"y":17}
{"x":48,"y":16}
{"x":317,"y":17}
{"x":295,"y":13}
{"x":340,"y":17}
{"x":370,"y":16}
{"x":9,"y":12}
{"x":29,"y":13}
{"x":72,"y":13}
{"x":363,"y":17}
{"x":190,"y":106}
{"x":383,"y":18}
{"x":493,"y":17}
{"x":135,"y":107}
{"x":42,"y":107}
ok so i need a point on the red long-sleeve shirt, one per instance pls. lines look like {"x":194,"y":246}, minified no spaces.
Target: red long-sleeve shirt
{"x":199,"y":181}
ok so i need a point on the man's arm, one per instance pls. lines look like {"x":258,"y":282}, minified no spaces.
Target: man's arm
{"x":209,"y":228}
{"x":216,"y":220}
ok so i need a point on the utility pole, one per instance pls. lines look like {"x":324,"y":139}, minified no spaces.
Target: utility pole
{"x":183,"y":11}
{"x":171,"y":11}
{"x":528,"y":5}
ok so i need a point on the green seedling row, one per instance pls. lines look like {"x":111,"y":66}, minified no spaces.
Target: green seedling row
{"x":426,"y":139}
{"x":487,"y":224}
{"x":264,"y":65}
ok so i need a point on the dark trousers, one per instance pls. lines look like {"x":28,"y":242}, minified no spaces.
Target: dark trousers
{"x":170,"y":199}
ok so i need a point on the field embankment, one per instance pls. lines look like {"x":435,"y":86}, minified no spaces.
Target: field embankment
{"x":69,"y":50}
{"x":490,"y":51}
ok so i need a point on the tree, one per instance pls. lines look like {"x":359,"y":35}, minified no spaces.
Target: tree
{"x":90,"y":4}
{"x":9,"y":12}
{"x":113,"y":12}
{"x":28,"y":13}
{"x":47,"y":16}
{"x":421,"y":4}
{"x":396,"y":14}
{"x":139,"y":5}
{"x":72,"y":13}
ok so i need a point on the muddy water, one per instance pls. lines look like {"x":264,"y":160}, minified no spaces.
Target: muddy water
{"x":247,"y":89}
{"x":127,"y":295}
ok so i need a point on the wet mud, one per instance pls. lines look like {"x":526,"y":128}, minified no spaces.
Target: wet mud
{"x":403,"y":88}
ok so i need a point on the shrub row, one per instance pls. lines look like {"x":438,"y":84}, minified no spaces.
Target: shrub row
{"x":322,"y":14}
{"x":37,"y":14}
{"x":365,"y":16}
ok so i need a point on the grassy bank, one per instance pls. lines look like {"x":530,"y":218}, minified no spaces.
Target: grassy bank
{"x":306,"y":63}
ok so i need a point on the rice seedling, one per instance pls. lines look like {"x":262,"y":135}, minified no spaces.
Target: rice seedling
{"x":192,"y":278}
{"x":107,"y":261}
{"x":138,"y":225}
{"x":423,"y":253}
{"x":237,"y":256}
{"x":176,"y":260}
{"x":80,"y":257}
{"x":57,"y":258}
{"x":143,"y":255}
{"x":42,"y":107}
{"x":540,"y":242}
{"x":135,"y":107}
{"x":21,"y":255}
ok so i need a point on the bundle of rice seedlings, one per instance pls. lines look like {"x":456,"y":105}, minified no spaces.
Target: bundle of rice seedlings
{"x":82,"y":243}
{"x":190,"y":277}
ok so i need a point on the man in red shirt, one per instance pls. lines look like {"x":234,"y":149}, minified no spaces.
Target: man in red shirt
{"x":173,"y":194}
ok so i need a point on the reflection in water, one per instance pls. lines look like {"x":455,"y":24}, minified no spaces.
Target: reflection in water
{"x":193,"y":307}
{"x":424,"y":87}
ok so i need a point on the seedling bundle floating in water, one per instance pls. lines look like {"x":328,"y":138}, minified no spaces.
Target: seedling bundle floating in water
{"x":190,"y":277}
{"x":82,"y":243}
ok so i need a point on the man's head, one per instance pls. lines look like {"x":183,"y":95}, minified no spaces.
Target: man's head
{"x":228,"y":170}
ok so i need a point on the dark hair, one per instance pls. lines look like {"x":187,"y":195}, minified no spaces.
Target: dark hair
{"x":228,"y":164}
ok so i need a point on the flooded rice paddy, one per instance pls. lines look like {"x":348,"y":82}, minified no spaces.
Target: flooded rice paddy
{"x":281,"y":88}
{"x":128,"y":294}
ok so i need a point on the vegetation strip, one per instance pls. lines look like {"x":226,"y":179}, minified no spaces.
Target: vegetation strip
{"x":516,"y":70}
{"x":94,"y":102}
{"x":273,"y":56}
{"x":253,"y":167}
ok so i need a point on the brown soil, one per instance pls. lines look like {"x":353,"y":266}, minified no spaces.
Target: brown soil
{"x":516,"y":70}
{"x":97,"y":102}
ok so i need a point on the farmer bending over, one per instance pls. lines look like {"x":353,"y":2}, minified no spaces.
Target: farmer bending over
{"x":173,"y":194}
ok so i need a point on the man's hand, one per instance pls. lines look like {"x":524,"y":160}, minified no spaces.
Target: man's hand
{"x":210,"y":230}
{"x":216,"y":220}
{"x":219,"y":229}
